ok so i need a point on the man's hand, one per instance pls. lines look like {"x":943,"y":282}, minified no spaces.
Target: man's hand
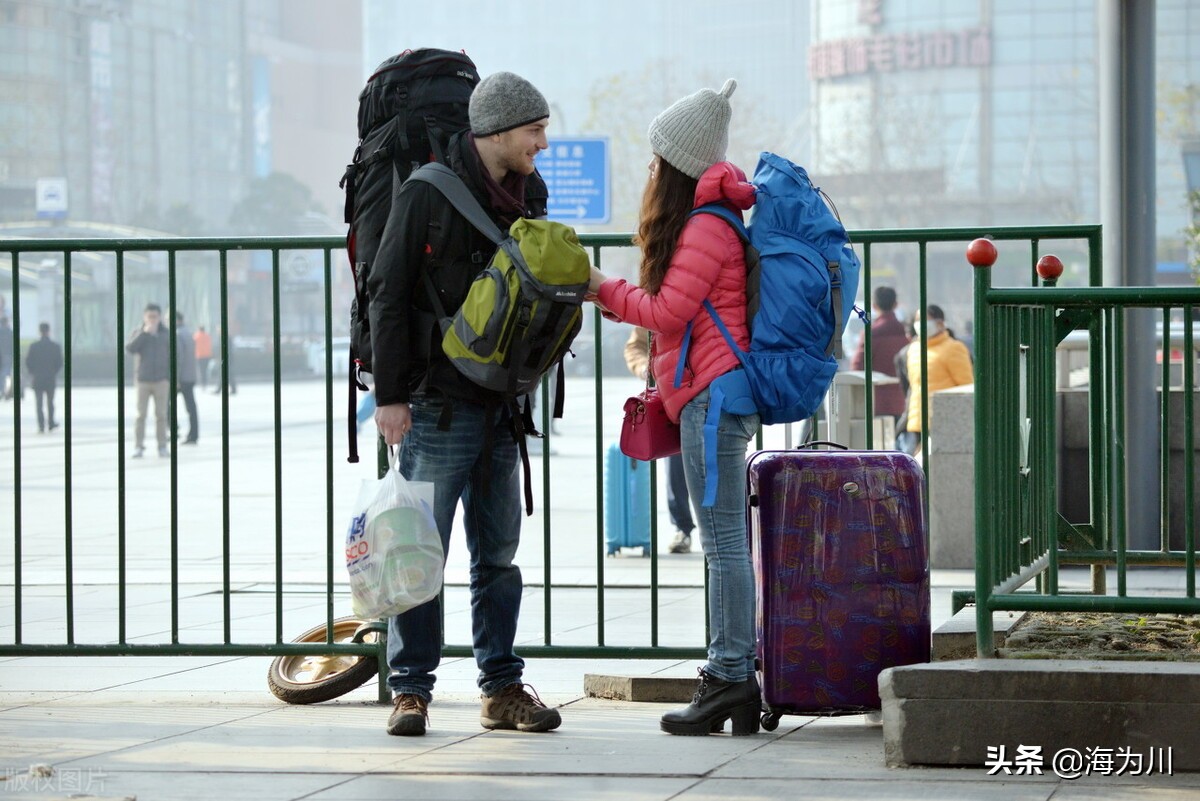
{"x":393,"y":422}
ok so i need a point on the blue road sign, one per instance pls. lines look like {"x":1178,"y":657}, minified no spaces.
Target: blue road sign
{"x":576,"y":173}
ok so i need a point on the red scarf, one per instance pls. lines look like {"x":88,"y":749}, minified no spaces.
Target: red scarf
{"x":507,"y":198}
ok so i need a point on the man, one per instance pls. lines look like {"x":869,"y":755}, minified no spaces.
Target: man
{"x":185,"y":374}
{"x":887,"y":338}
{"x":949,"y":365}
{"x":152,"y":345}
{"x":43,"y":361}
{"x":450,"y":431}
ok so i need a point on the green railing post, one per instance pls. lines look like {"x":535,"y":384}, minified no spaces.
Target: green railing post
{"x":172,"y":434}
{"x":1189,"y":445}
{"x":15,"y":272}
{"x":69,"y":413}
{"x":1049,"y":268}
{"x":868,"y":364}
{"x":981,"y":254}
{"x":121,"y":509}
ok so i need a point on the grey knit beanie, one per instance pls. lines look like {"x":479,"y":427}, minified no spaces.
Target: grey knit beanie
{"x":505,"y":101}
{"x":693,"y":133}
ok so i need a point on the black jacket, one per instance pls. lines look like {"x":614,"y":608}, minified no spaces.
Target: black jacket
{"x":424,"y":232}
{"x":43,"y":362}
{"x":153,"y":352}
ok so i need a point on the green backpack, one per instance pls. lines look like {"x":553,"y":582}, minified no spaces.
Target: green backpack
{"x":524,"y":310}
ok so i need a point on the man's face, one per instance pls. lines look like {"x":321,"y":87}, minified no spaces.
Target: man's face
{"x":151,"y":318}
{"x":520,"y":146}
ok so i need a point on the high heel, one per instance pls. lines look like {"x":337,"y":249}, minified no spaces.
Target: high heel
{"x":745,"y":719}
{"x":715,"y":702}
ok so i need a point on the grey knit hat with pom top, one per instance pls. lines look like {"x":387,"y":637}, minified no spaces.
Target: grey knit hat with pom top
{"x":505,"y":101}
{"x":693,"y":133}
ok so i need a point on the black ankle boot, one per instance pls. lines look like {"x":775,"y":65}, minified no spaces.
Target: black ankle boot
{"x":715,"y":702}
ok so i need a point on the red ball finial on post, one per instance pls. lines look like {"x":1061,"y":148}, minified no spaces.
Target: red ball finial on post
{"x":1050,"y":268}
{"x":981,"y":253}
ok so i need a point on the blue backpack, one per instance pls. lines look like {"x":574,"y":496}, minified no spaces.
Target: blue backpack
{"x":799,"y":298}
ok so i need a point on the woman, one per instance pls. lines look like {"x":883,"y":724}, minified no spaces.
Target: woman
{"x":685,"y":261}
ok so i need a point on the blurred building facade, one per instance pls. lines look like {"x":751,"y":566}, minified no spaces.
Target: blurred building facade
{"x":975,"y":112}
{"x":131,"y":117}
{"x":158,"y":113}
{"x":121,"y":109}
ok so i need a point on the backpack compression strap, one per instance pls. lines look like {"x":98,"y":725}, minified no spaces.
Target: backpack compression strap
{"x":835,"y":302}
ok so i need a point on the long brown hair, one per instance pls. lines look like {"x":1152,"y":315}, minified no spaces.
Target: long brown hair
{"x":666,"y":203}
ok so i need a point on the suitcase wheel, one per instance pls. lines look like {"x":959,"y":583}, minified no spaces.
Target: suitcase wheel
{"x":770,"y":721}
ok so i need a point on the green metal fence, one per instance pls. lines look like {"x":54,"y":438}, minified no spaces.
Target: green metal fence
{"x":876,"y":247}
{"x":1021,"y":534}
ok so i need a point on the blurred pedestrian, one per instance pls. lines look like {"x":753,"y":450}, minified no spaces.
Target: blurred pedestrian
{"x":6,"y":359}
{"x":906,"y":440}
{"x":948,"y":361}
{"x":43,"y":362}
{"x":185,"y":375}
{"x":637,"y":358}
{"x":887,"y":338}
{"x":202,"y":343}
{"x":366,"y":409}
{"x":151,"y":343}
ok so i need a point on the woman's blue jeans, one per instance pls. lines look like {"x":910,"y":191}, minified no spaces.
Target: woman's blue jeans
{"x":491,"y":494}
{"x":723,"y":536}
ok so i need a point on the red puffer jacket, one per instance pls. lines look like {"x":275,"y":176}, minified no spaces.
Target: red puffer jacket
{"x":709,"y":262}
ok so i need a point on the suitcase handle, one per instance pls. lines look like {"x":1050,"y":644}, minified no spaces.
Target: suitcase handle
{"x":825,"y":442}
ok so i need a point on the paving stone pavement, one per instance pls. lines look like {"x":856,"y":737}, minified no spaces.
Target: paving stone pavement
{"x":156,"y":727}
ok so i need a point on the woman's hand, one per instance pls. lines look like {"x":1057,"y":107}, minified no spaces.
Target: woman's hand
{"x":595,"y":281}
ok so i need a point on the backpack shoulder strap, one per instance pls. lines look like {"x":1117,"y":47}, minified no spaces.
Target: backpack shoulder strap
{"x":447,"y":181}
{"x":718,"y":210}
{"x":451,"y":186}
{"x":735,"y":222}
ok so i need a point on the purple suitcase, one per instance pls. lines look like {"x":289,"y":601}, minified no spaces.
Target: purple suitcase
{"x":838,"y":543}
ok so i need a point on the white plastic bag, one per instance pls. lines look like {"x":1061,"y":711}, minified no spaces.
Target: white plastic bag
{"x":393,"y":549}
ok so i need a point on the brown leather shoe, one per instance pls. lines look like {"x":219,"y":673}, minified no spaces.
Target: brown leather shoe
{"x":409,"y":717}
{"x":517,"y":706}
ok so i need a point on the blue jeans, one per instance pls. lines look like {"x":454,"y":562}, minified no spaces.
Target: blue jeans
{"x":454,"y":461}
{"x":366,"y":408}
{"x":723,"y":536}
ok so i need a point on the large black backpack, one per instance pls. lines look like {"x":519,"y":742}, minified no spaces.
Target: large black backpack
{"x":407,"y":112}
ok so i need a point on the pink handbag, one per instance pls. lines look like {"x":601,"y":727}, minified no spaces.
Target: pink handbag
{"x":647,"y":433}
